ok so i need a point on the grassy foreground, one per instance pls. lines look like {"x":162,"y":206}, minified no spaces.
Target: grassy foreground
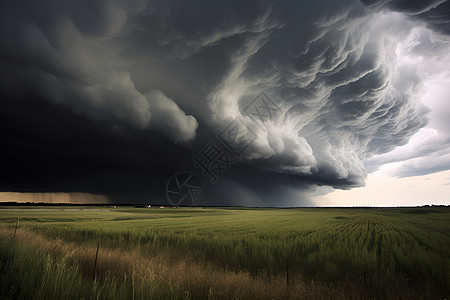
{"x":320,"y":253}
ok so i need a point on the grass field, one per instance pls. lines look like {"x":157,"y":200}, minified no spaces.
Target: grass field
{"x":311,"y":253}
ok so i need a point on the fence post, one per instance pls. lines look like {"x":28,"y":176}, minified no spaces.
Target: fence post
{"x":288,"y":296}
{"x":17,"y":225}
{"x":287,"y":272}
{"x":95,"y":262}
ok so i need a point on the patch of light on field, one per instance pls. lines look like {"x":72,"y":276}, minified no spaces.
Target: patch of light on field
{"x":72,"y":198}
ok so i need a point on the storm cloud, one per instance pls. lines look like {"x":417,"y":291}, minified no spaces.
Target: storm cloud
{"x":113,"y":97}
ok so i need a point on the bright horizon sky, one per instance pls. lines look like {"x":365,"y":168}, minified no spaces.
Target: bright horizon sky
{"x":384,"y":190}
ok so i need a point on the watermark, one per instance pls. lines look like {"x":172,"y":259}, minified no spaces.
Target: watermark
{"x":184,"y":188}
{"x":213,"y":159}
{"x":262,"y":109}
{"x":237,"y":136}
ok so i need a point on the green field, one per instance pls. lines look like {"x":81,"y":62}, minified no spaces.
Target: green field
{"x":311,"y":253}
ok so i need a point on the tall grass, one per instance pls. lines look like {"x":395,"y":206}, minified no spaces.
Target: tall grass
{"x":242,"y":253}
{"x":40,"y":268}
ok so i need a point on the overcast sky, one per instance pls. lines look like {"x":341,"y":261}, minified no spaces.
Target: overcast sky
{"x":302,"y":103}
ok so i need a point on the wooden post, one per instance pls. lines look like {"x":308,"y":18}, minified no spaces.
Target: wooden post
{"x":17,"y":225}
{"x":132,"y":281}
{"x":288,"y":296}
{"x":95,"y":263}
{"x":287,"y":272}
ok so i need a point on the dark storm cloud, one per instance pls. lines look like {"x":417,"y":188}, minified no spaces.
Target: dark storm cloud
{"x":113,"y":97}
{"x":48,"y":147}
{"x":435,"y":13}
{"x":412,"y":7}
{"x":45,"y":48}
{"x":438,"y":18}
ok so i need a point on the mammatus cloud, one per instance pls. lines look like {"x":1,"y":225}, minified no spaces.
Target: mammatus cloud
{"x":158,"y":79}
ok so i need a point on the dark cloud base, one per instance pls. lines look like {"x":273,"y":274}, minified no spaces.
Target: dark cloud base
{"x":48,"y":147}
{"x":115,"y":97}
